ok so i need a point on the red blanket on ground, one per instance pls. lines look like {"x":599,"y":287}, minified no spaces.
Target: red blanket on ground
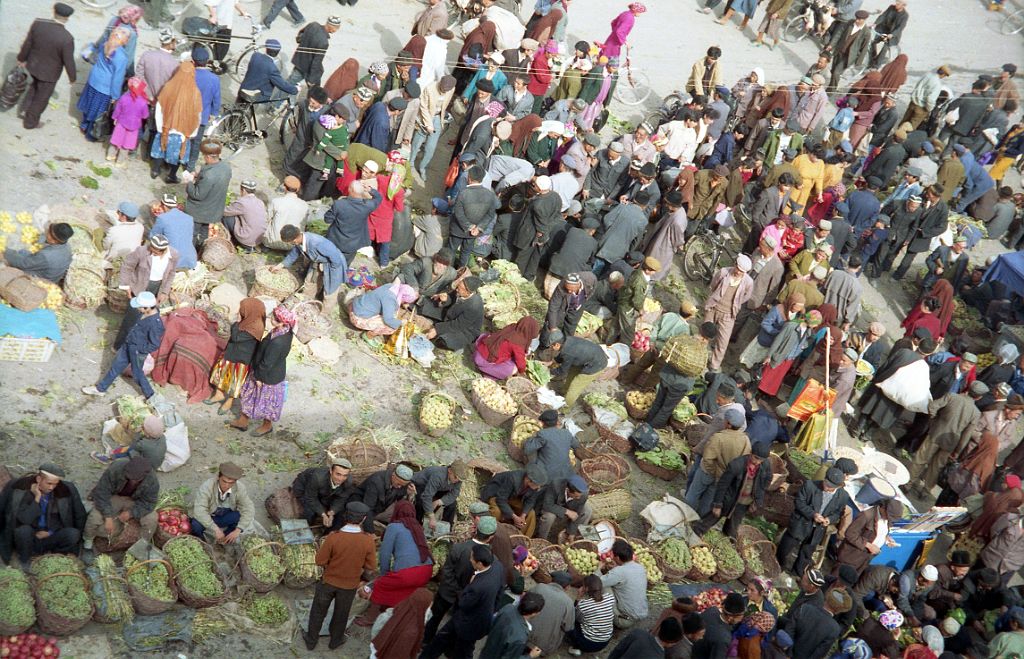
{"x":187,"y":353}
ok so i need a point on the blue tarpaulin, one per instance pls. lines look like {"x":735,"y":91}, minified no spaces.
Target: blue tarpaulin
{"x":36,"y":324}
{"x":1008,"y":269}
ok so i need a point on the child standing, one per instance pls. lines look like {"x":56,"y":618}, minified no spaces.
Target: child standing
{"x":337,"y":135}
{"x":130,"y":111}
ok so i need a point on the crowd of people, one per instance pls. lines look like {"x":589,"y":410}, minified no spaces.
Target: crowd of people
{"x":823,"y":204}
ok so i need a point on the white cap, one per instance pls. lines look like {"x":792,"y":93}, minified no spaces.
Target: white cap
{"x":371,"y":165}
{"x":496,"y":57}
{"x":743,"y":263}
{"x":930,"y":573}
{"x":543,"y":183}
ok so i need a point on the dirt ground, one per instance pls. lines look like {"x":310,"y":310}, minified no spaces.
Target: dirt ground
{"x":43,"y":416}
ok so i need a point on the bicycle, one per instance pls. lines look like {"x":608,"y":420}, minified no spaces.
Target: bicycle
{"x":812,"y":18}
{"x":886,"y":51}
{"x":1013,"y":23}
{"x":239,"y":127}
{"x":203,"y":32}
{"x":637,"y":85}
{"x":703,"y":252}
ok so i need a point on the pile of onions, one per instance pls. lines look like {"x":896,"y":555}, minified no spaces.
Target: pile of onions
{"x":28,"y":646}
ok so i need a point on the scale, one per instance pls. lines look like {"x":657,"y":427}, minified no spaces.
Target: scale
{"x":296,"y":532}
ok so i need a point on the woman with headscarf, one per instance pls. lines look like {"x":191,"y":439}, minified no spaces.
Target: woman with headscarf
{"x":502,"y":354}
{"x":863,"y":118}
{"x":129,"y":17}
{"x":179,"y":112}
{"x":483,"y":35}
{"x":973,"y":473}
{"x":263,"y":393}
{"x":130,"y":112}
{"x":405,"y":563}
{"x":868,"y":534}
{"x":828,"y":338}
{"x":522,"y":131}
{"x":1003,"y":369}
{"x":622,"y":25}
{"x":376,"y":312}
{"x":571,"y":82}
{"x":996,"y":504}
{"x":758,"y":590}
{"x":402,"y":634}
{"x":231,"y":370}
{"x":748,"y":92}
{"x":343,"y":80}
{"x":835,"y":191}
{"x":491,"y":70}
{"x":893,"y":75}
{"x":106,"y":79}
{"x":597,"y":89}
{"x":923,"y":316}
{"x":867,"y":90}
{"x":382,"y":218}
{"x":374,"y":79}
{"x":751,"y":633}
{"x":789,"y":343}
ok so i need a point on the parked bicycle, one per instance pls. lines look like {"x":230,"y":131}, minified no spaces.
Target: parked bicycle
{"x":240,"y":127}
{"x":201,"y":32}
{"x":1013,"y":23}
{"x":634,"y":86}
{"x":707,"y":250}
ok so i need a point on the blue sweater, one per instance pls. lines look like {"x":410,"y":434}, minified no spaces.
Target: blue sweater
{"x":145,"y":336}
{"x":378,"y":302}
{"x":176,"y":226}
{"x":107,"y":74}
{"x":398,"y":550}
{"x":209,"y":89}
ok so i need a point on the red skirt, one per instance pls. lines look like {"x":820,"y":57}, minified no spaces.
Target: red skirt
{"x":394,"y":587}
{"x":771,"y":378}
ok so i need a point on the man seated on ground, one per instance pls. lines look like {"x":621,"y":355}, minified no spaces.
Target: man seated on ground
{"x":565,"y":504}
{"x":462,"y":316}
{"x":222,"y":509}
{"x":127,"y":490}
{"x":437,"y":490}
{"x":151,"y":443}
{"x":382,"y":489}
{"x":429,"y":276}
{"x":52,"y":261}
{"x":40,"y":513}
{"x":125,"y":234}
{"x":246,"y":217}
{"x":515,"y":495}
{"x":323,"y":492}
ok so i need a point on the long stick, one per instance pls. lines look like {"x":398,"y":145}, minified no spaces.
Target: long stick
{"x":828,"y":405}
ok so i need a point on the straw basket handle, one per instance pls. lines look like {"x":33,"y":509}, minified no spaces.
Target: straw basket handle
{"x":167,"y":566}
{"x":265,"y":543}
{"x":42,"y":580}
{"x":209,"y":555}
{"x":315,"y":303}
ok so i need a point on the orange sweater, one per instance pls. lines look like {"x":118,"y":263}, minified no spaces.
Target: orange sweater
{"x":344,"y":556}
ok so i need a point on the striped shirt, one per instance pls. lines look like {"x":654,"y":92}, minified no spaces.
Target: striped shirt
{"x":595,"y":618}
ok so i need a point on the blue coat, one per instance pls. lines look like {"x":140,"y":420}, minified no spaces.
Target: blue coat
{"x":722,"y":153}
{"x":176,"y":227}
{"x":375,"y":131}
{"x":263,"y":75}
{"x":864,"y":208}
{"x":378,"y":302}
{"x":321,"y":250}
{"x":349,"y":229}
{"x":145,"y":336}
{"x":209,"y":90}
{"x":107,"y":74}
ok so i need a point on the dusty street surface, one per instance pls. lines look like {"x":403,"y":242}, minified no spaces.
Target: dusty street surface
{"x":43,"y":416}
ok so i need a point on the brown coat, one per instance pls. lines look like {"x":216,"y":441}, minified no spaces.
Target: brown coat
{"x":135,"y":270}
{"x":47,"y":50}
{"x":695,"y":85}
{"x":860,"y":533}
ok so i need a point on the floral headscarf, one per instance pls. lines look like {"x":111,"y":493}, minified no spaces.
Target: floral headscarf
{"x":637,"y":7}
{"x":762,"y":621}
{"x":891,"y":619}
{"x":285,"y":315}
{"x":764,"y":584}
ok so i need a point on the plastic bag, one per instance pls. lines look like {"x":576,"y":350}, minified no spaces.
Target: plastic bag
{"x":151,"y":633}
{"x":546,"y":396}
{"x":422,"y":350}
{"x":397,"y":342}
{"x":178,"y":448}
{"x":811,"y":400}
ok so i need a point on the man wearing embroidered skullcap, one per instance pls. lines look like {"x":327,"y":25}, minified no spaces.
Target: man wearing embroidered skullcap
{"x":731,"y":287}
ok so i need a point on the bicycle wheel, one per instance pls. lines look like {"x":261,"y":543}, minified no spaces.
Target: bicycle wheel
{"x":233,"y":130}
{"x":1013,"y":23}
{"x":242,"y":64}
{"x":795,"y":30}
{"x":633,"y":88}
{"x":699,"y":256}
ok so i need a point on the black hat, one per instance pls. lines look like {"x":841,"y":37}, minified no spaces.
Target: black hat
{"x":960,"y":558}
{"x":635,"y":257}
{"x":734,"y":604}
{"x":649,"y":170}
{"x":670,"y":631}
{"x":1010,"y":68}
{"x":760,"y":450}
{"x":485,"y":85}
{"x":398,"y":103}
{"x":778,"y":113}
{"x":63,"y":10}
{"x":62,"y":231}
{"x":847,"y":466}
{"x":848,"y":574}
{"x":549,"y":417}
{"x":413,"y":89}
{"x":692,"y":623}
{"x":357,"y":507}
{"x":472,"y":283}
{"x":674,"y":197}
{"x":709,"y":331}
{"x":582,"y":46}
{"x":988,"y":577}
{"x":591,"y":222}
{"x":834,"y":477}
{"x":922,"y":333}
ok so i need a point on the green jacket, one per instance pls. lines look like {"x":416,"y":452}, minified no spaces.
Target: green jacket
{"x":633,"y":294}
{"x":591,"y":86}
{"x":771,"y":145}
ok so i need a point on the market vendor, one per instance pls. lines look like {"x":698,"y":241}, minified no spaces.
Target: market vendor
{"x":673,"y":385}
{"x":437,"y":490}
{"x":40,"y":513}
{"x":868,"y":534}
{"x":222,"y":509}
{"x":151,"y":444}
{"x":514,"y":496}
{"x":125,"y":233}
{"x":377,"y":312}
{"x":382,"y":489}
{"x":322,"y":493}
{"x":323,"y":263}
{"x":550,"y":447}
{"x":627,"y":580}
{"x":52,"y":261}
{"x":462,"y":316}
{"x":245,"y":218}
{"x":127,"y":490}
{"x":566,"y":306}
{"x":502,"y":354}
{"x":429,"y":276}
{"x":149,"y":267}
{"x":565,"y":508}
{"x":579,"y":363}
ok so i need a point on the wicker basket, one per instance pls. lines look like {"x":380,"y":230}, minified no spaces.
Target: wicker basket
{"x":594,"y":447}
{"x":551,"y":559}
{"x":9,"y":630}
{"x":52,"y":623}
{"x":437,"y":432}
{"x":218,"y":253}
{"x":748,"y":535}
{"x":297,"y":582}
{"x":635,"y":412}
{"x":265,"y":285}
{"x":524,"y":391}
{"x":672,"y":575}
{"x":605,"y":473}
{"x":778,"y":507}
{"x":658,"y":560}
{"x":618,"y":443}
{"x":586,"y":545}
{"x":657,"y":471}
{"x":695,"y":574}
{"x":118,"y":299}
{"x":312,"y":323}
{"x":249,"y":577}
{"x":129,"y":535}
{"x":615,"y":505}
{"x":160,"y":536}
{"x":766,"y":552}
{"x":187,"y":597}
{"x":143,"y":603}
{"x":490,"y":416}
{"x":366,"y":457}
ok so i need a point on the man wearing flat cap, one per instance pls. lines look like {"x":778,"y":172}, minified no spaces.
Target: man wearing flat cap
{"x":178,"y":227}
{"x":569,"y":295}
{"x":127,"y":490}
{"x":624,"y":225}
{"x":47,"y":50}
{"x":462,"y":315}
{"x":815,"y":630}
{"x":245,"y":218}
{"x":207,"y":190}
{"x":565,"y":508}
{"x":382,"y":489}
{"x":437,"y":490}
{"x":348,"y":558}
{"x":731,"y":288}
{"x":125,"y":233}
{"x":818,"y":505}
{"x":52,"y":261}
{"x":514,"y":496}
{"x":852,"y":48}
{"x":741,"y":486}
{"x":222,"y":509}
{"x":717,"y":452}
{"x":40,"y":513}
{"x":953,"y":419}
{"x":551,"y":446}
{"x":321,"y":494}
{"x":313,"y":41}
{"x":149,"y":267}
{"x":264,"y":77}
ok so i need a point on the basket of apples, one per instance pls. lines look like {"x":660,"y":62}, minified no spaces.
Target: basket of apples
{"x":171,"y":522}
{"x":29,"y":646}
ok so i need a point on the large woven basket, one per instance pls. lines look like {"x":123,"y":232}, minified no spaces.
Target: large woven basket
{"x":748,"y":535}
{"x":52,"y":623}
{"x":297,"y":581}
{"x":616,"y":442}
{"x":658,"y":560}
{"x":586,"y":545}
{"x":118,"y":299}
{"x":189,"y":598}
{"x":23,"y":294}
{"x":448,"y":400}
{"x":160,"y":536}
{"x":366,"y":457}
{"x":249,"y":577}
{"x":143,"y":603}
{"x":765,"y":550}
{"x":778,"y":507}
{"x":637,"y":413}
{"x":524,"y":391}
{"x":130,"y":533}
{"x":616,"y":505}
{"x":490,"y":416}
{"x":312,"y":323}
{"x":10,"y":630}
{"x":695,"y":573}
{"x":218,"y":253}
{"x":672,"y":574}
{"x":657,"y":471}
{"x":265,"y":284}
{"x":605,"y":473}
{"x":551,"y":559}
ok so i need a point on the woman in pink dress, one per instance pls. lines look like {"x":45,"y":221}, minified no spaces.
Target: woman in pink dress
{"x":622,"y":25}
{"x":130,"y":111}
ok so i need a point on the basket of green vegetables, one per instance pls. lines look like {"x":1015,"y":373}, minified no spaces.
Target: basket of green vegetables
{"x":195,"y":572}
{"x":729,"y":562}
{"x":63,"y":603}
{"x":17,"y":607}
{"x":150,"y":584}
{"x":261,"y":564}
{"x":300,"y":568}
{"x":663,"y":463}
{"x":266,"y":610}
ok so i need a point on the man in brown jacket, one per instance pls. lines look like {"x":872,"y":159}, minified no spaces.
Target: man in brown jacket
{"x":348,"y":556}
{"x":150,"y":267}
{"x":48,"y":49}
{"x":721,"y":448}
{"x":954,"y":417}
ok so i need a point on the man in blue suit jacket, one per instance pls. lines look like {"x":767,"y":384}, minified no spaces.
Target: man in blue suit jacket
{"x":471,"y":618}
{"x":347,"y":219}
{"x":321,"y":256}
{"x":263,"y":75}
